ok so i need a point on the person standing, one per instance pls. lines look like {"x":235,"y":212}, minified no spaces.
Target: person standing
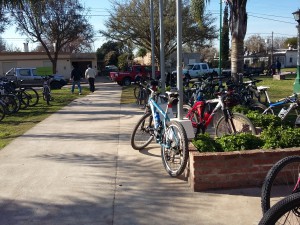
{"x":90,"y":74}
{"x":278,"y":66}
{"x":76,"y":77}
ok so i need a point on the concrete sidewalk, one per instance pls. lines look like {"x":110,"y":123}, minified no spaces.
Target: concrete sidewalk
{"x":77,"y":167}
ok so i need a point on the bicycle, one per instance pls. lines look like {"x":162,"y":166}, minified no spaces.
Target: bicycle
{"x":203,"y":112}
{"x":282,"y":179}
{"x":141,"y":93}
{"x":286,"y":211}
{"x":47,"y":90}
{"x":170,"y":134}
{"x":293,"y":104}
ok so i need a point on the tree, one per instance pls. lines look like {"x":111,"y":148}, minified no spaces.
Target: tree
{"x":255,"y":44}
{"x":238,"y":28}
{"x":225,"y":39}
{"x":2,"y":45}
{"x":108,"y":48}
{"x":131,"y":21}
{"x":291,"y":42}
{"x":54,"y":24}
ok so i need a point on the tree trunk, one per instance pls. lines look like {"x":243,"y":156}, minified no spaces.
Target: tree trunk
{"x":237,"y":58}
{"x":238,"y":28}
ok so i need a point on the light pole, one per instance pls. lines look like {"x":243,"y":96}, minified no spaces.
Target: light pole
{"x":297,"y":80}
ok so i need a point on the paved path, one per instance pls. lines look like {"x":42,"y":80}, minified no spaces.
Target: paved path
{"x":77,"y":167}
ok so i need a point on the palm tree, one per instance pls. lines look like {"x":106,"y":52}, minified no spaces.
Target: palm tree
{"x":238,"y":28}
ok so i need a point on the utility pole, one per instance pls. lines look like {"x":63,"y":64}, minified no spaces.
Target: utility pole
{"x":272,"y":49}
{"x":220,"y":44}
{"x":152,"y":40}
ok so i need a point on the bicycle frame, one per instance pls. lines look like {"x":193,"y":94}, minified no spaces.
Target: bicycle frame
{"x":291,"y":100}
{"x":206,"y":118}
{"x":159,"y":126}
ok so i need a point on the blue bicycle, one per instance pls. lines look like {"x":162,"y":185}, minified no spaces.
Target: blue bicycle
{"x":170,"y":134}
{"x":289,"y":103}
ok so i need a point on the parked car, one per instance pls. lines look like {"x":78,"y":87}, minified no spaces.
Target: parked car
{"x":134,"y":74}
{"x":29,"y":77}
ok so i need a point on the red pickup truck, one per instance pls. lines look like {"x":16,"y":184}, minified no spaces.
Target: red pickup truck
{"x":134,"y":74}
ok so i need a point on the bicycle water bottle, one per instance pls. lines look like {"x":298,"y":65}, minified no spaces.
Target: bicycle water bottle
{"x":157,"y":119}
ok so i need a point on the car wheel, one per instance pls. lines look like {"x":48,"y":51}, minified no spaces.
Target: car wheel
{"x":127,"y":81}
{"x":55,"y":85}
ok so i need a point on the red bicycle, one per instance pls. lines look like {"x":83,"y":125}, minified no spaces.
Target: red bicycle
{"x":203,"y":112}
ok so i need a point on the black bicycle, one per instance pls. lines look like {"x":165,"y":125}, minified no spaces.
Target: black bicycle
{"x":47,"y":90}
{"x":282,"y":180}
{"x":286,"y":211}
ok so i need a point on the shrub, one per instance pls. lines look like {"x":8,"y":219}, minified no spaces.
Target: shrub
{"x":242,"y":141}
{"x":280,"y":137}
{"x":263,"y":120}
{"x":204,"y":143}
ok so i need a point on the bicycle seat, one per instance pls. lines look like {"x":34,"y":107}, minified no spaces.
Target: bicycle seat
{"x":261,"y":88}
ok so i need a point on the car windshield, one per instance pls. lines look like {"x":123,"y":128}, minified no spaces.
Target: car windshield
{"x":188,"y":67}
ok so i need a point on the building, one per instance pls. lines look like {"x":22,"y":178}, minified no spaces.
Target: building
{"x":287,"y":58}
{"x":171,"y":62}
{"x":40,"y":59}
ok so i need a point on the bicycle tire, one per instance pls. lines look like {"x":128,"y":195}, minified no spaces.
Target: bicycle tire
{"x":33,"y":96}
{"x":47,"y":95}
{"x":11,"y":105}
{"x":278,"y":175}
{"x":142,"y":98}
{"x":24,"y":99}
{"x":174,"y":156}
{"x":257,"y":106}
{"x":143,"y":132}
{"x":136,"y":91}
{"x":238,"y":123}
{"x":286,"y":211}
{"x":2,"y":111}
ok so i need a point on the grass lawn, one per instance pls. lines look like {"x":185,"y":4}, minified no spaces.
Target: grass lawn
{"x":15,"y":125}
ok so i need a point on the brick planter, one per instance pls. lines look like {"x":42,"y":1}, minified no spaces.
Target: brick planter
{"x":225,"y":170}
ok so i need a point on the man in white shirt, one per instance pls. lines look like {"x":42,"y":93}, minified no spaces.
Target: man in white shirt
{"x":90,"y":74}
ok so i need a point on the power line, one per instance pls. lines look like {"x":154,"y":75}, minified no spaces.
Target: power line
{"x":271,"y":19}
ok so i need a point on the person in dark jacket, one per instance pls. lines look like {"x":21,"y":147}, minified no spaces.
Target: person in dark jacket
{"x":75,"y":78}
{"x":278,"y":66}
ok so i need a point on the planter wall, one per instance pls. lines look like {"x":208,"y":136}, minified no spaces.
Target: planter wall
{"x":227,"y":170}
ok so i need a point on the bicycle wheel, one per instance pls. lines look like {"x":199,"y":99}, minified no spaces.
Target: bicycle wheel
{"x":258,"y":107}
{"x":280,"y":181}
{"x":238,"y":123}
{"x":33,"y":96}
{"x":143,"y":132}
{"x":47,"y":95}
{"x":142,"y":97}
{"x":11,"y":105}
{"x":174,"y":149}
{"x":2,"y":110}
{"x":136,"y":92}
{"x":286,"y":211}
{"x":24,"y":99}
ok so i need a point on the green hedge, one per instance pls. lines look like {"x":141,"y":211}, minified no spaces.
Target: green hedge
{"x":270,"y":138}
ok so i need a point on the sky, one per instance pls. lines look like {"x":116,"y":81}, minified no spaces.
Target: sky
{"x":264,"y":17}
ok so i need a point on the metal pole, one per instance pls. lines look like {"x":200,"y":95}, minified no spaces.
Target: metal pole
{"x":220,"y":44}
{"x":272,"y":50}
{"x":297,"y":80}
{"x":179,"y":58}
{"x":152,"y":41}
{"x":162,"y":46}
